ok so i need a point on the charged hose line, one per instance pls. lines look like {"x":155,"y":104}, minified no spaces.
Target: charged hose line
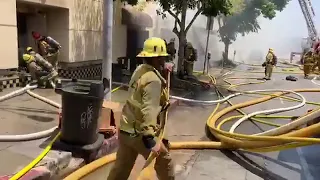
{"x":36,"y":160}
{"x":231,"y":141}
{"x":36,"y":135}
{"x":314,"y":80}
{"x":27,"y":137}
{"x":17,"y":92}
{"x":224,"y":139}
{"x":292,"y":125}
{"x":236,"y":124}
{"x":279,"y":148}
{"x":31,"y":136}
{"x":285,"y":62}
{"x":43,"y":99}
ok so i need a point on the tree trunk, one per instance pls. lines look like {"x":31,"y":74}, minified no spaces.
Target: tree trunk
{"x":182,"y":43}
{"x":226,"y":51}
{"x":182,"y":38}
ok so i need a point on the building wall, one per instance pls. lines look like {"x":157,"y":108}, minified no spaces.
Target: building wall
{"x":76,"y":24}
{"x":86,"y":28}
{"x":8,"y":35}
{"x":58,"y":27}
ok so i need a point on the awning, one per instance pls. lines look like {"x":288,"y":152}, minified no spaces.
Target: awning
{"x":132,"y":17}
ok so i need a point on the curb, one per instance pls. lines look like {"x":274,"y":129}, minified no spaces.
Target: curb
{"x":62,"y":166}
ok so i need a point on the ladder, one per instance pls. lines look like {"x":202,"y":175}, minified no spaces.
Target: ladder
{"x":308,"y":14}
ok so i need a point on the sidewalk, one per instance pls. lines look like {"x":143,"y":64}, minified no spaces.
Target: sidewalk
{"x":186,"y":123}
{"x":23,"y":115}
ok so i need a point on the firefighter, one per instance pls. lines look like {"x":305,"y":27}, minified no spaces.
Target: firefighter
{"x":142,"y":113}
{"x":190,"y":58}
{"x":171,"y":50}
{"x":48,"y":48}
{"x":271,"y":61}
{"x":40,"y":69}
{"x":316,"y":56}
{"x":308,"y":62}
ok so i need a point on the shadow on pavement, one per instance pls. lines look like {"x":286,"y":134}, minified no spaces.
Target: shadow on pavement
{"x":277,"y":161}
{"x":251,"y":166}
{"x":26,"y":109}
{"x":34,"y":117}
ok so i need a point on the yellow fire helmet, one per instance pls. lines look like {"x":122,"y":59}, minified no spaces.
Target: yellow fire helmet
{"x":270,"y":50}
{"x":29,"y":49}
{"x":154,"y":47}
{"x":27,"y":58}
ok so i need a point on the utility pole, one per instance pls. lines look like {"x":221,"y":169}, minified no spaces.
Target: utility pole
{"x":209,"y":28}
{"x":107,"y":44}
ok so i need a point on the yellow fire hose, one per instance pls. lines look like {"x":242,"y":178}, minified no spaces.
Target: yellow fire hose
{"x":110,"y":158}
{"x":234,"y":140}
{"x":34,"y":162}
{"x":229,"y":140}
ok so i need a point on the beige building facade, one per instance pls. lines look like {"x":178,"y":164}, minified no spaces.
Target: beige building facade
{"x":76,"y":24}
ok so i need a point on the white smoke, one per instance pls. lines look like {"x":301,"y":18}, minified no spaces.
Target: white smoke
{"x":284,"y":34}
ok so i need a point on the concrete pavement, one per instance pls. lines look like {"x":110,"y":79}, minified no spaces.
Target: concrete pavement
{"x":187,"y":124}
{"x":24,"y":114}
{"x":299,"y":163}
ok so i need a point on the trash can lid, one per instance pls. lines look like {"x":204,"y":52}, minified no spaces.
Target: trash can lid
{"x":92,"y":88}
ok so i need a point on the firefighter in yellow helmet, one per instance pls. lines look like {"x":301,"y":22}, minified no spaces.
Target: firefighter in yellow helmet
{"x":271,"y":61}
{"x":316,"y":56}
{"x":190,"y":58}
{"x":171,"y":49}
{"x":48,"y":47}
{"x":308,"y":62}
{"x":39,"y":68}
{"x":142,"y":114}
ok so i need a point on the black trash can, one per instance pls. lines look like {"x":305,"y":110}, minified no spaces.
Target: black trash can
{"x":81,"y":105}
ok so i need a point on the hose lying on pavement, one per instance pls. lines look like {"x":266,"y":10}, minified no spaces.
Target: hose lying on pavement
{"x":31,"y":136}
{"x":233,"y":140}
{"x":36,"y":135}
{"x":35,"y":161}
{"x":27,"y":137}
{"x":246,"y":117}
{"x":223,"y":136}
{"x":17,"y":93}
{"x":43,"y":99}
{"x":228,"y":140}
{"x":24,"y":137}
{"x":314,"y":80}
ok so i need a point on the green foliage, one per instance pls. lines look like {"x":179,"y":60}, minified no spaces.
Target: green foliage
{"x":245,"y":21}
{"x":176,"y":7}
{"x":216,"y":7}
{"x":237,"y":6}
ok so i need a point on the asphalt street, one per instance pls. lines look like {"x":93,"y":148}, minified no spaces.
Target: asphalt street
{"x":24,"y":114}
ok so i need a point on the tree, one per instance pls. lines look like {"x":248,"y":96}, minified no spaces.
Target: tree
{"x":244,"y":19}
{"x":178,"y":10}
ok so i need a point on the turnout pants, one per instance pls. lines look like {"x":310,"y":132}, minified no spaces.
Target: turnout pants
{"x":36,"y":71}
{"x":129,"y":149}
{"x":307,"y":69}
{"x":268,"y":71}
{"x":188,"y":67}
{"x":53,"y":59}
{"x":316,"y":65}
